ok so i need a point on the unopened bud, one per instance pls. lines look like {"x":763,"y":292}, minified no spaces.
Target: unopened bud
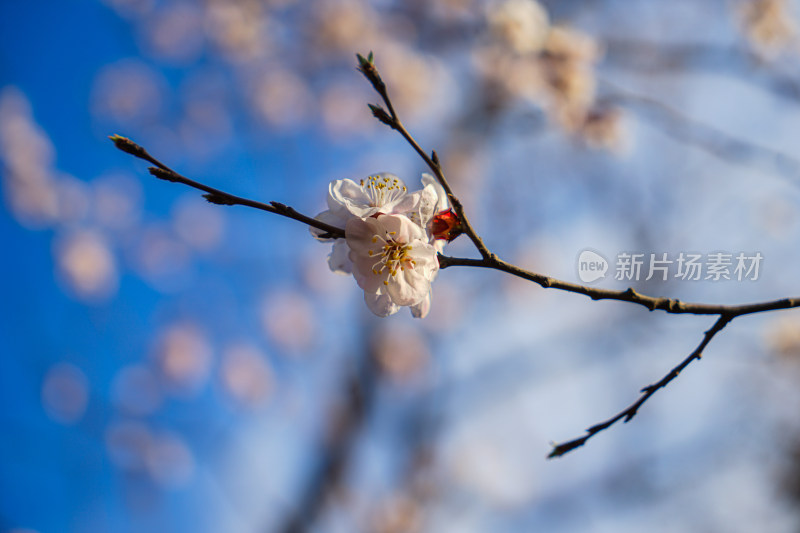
{"x":446,"y":225}
{"x":381,"y":114}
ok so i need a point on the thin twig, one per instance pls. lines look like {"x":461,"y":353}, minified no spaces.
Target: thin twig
{"x":216,"y":196}
{"x":627,"y":414}
{"x":670,"y":305}
{"x":726,"y":314}
{"x":367,"y":67}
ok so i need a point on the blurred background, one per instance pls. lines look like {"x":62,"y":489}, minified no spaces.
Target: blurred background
{"x":171,"y":365}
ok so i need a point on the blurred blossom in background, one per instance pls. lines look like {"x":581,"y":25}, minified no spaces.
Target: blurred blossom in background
{"x":171,"y":365}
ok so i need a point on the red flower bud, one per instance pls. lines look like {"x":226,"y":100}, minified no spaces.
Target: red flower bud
{"x":446,"y":225}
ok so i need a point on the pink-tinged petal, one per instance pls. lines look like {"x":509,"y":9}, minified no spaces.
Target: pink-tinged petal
{"x":360,"y":233}
{"x":422,"y":309}
{"x":379,"y":303}
{"x":391,"y":223}
{"x":358,"y":273}
{"x":419,"y":279}
{"x":407,"y":287}
{"x":365,"y":277}
{"x":424,"y":257}
{"x":339,"y":258}
{"x":401,"y":228}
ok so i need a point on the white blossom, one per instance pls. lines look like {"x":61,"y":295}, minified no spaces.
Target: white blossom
{"x":382,"y":193}
{"x":405,"y":276}
{"x":393,"y":263}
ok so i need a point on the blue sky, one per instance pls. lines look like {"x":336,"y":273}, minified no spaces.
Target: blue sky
{"x":169,"y":365}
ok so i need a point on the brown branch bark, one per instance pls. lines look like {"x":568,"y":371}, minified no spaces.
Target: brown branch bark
{"x":216,"y":196}
{"x":669,"y":305}
{"x":391,"y":119}
{"x":627,"y":414}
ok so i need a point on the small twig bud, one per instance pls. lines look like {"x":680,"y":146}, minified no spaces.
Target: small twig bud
{"x":162,"y":174}
{"x":218,"y":199}
{"x":367,"y":67}
{"x":127,"y":145}
{"x":365,"y":62}
{"x":565,"y":447}
{"x":381,"y":114}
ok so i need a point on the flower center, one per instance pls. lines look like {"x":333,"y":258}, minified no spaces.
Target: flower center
{"x":392,"y":256}
{"x":381,"y":190}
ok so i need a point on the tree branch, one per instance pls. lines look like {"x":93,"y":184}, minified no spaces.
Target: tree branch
{"x":628,"y":414}
{"x":726,"y":314}
{"x":368,"y":69}
{"x":216,"y":196}
{"x":669,"y":305}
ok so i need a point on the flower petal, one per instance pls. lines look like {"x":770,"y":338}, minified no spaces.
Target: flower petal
{"x":328,"y":217}
{"x":442,"y":202}
{"x":365,"y":277}
{"x":359,"y":234}
{"x":422,"y":309}
{"x":379,"y":303}
{"x":427,"y":204}
{"x":346,"y":197}
{"x":401,"y":228}
{"x":407,"y":203}
{"x":340,"y":192}
{"x":339,"y":258}
{"x":424,"y":256}
{"x":408,"y":287}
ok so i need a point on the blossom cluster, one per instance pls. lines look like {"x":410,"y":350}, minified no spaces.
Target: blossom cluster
{"x":769,"y":26}
{"x":528,"y":57}
{"x":391,"y":238}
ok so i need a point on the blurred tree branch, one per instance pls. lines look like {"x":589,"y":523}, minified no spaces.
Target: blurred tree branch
{"x":710,"y":139}
{"x":659,"y":58}
{"x":346,"y":419}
